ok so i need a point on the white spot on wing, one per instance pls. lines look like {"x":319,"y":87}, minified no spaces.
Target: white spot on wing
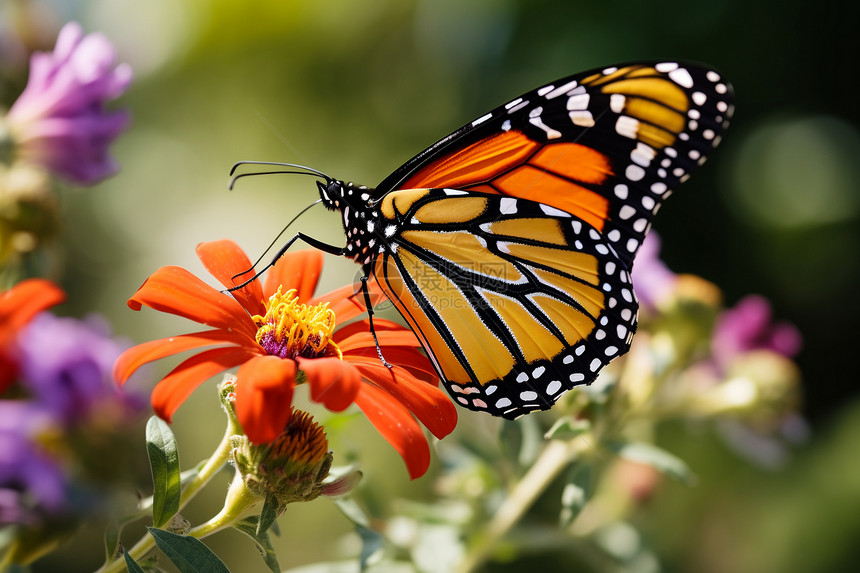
{"x":550,"y":132}
{"x":582,"y":118}
{"x":519,"y":106}
{"x":482,"y":119}
{"x":560,"y":90}
{"x":634,"y":172}
{"x":643,"y":154}
{"x":627,"y":126}
{"x":578,"y":102}
{"x":682,"y":77}
{"x":553,"y":212}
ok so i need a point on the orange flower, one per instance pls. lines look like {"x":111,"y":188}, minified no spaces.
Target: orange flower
{"x":274,"y":330}
{"x":17,"y":306}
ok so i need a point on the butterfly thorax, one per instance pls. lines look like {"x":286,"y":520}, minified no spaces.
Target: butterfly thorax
{"x":360,"y":219}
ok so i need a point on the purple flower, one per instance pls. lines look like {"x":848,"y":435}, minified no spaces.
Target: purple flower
{"x":652,"y":279}
{"x":59,"y":121}
{"x":31,"y":484}
{"x":66,"y":364}
{"x":748,"y":327}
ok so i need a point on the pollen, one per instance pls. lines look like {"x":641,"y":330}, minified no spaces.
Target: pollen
{"x":290,"y":329}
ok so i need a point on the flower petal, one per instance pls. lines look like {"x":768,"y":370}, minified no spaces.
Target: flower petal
{"x":410,"y":359}
{"x":397,"y":426}
{"x":26,"y":299}
{"x":357,"y":335}
{"x":264,"y":393}
{"x":176,"y":291}
{"x":135,"y":357}
{"x":334,"y":382}
{"x":225,"y":259}
{"x":347,"y":302}
{"x":298,"y":270}
{"x":172,"y":391}
{"x":426,"y":401}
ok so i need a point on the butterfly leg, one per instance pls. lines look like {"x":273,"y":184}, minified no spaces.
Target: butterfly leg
{"x":315,"y":243}
{"x":369,"y":305}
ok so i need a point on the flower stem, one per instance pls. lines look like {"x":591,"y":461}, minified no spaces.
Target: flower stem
{"x":552,"y":460}
{"x":239,"y":500}
{"x":209,"y":468}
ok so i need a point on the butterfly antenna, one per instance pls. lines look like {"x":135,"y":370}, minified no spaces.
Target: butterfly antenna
{"x":281,"y":234}
{"x":237,"y":177}
{"x":304,"y":169}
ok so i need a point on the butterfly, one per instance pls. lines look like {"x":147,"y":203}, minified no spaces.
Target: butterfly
{"x":507,"y":246}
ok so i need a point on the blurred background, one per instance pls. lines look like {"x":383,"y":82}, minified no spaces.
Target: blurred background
{"x":356,"y":87}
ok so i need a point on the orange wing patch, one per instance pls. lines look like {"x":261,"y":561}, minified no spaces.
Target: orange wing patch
{"x":528,"y":182}
{"x":512,"y":164}
{"x":475,"y":163}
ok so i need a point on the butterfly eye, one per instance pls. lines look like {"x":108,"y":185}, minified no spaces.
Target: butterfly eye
{"x":329,"y":192}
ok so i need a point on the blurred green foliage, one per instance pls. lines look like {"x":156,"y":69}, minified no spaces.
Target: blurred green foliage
{"x":354,"y":88}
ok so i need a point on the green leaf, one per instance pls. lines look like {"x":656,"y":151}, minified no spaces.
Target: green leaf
{"x":164,"y":463}
{"x":372,"y":543}
{"x":352,"y":511}
{"x":576,"y":492}
{"x":655,"y":457}
{"x":112,"y":532}
{"x":263,"y":541}
{"x":189,"y":554}
{"x":522,"y":439}
{"x":566,"y":428}
{"x":132,"y":565}
{"x":268,"y":515}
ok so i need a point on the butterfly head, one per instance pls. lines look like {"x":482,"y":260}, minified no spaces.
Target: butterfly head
{"x":336,"y":195}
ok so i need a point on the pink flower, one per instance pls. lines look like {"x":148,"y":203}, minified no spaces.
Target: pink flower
{"x":60,"y":121}
{"x":748,"y":327}
{"x":653,"y":282}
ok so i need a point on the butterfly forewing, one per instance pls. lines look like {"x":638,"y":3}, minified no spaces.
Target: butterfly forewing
{"x":607,"y":146}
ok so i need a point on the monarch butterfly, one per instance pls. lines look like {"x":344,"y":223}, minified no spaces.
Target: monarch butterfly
{"x":507,"y":246}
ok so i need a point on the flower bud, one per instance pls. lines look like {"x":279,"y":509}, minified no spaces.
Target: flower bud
{"x":292,"y":467}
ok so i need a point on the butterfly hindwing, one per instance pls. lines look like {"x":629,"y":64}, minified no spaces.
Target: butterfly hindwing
{"x":515,"y":301}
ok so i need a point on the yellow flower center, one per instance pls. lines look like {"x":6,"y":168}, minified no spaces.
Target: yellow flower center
{"x":290,"y":329}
